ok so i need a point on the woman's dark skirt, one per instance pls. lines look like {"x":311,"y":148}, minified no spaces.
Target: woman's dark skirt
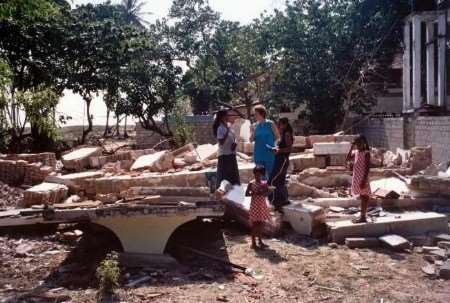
{"x":227,"y":169}
{"x":280,"y":196}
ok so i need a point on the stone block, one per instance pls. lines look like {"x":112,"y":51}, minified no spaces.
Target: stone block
{"x":322,"y":149}
{"x":79,"y":159}
{"x":44,"y":193}
{"x":307,"y":160}
{"x":305,"y":219}
{"x":157,"y":162}
{"x":362,"y":242}
{"x":396,"y":242}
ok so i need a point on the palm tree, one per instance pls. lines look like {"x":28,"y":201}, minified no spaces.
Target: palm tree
{"x":133,"y":12}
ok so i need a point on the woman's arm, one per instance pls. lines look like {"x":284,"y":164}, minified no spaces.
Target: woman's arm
{"x":222,"y":137}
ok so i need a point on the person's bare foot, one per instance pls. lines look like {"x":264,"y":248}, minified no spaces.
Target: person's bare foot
{"x":359,"y":220}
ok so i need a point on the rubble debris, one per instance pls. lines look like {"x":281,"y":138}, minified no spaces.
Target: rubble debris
{"x":442,"y":237}
{"x":182,"y":150}
{"x":389,"y":186}
{"x":305,"y":219}
{"x":44,"y":193}
{"x":79,"y":159}
{"x":386,"y":194}
{"x":376,"y":157}
{"x":100,"y":161}
{"x":138,"y":281}
{"x":421,"y":158}
{"x":321,"y":139}
{"x":396,"y":242}
{"x":362,"y":242}
{"x":20,"y":172}
{"x":157,"y":162}
{"x":107,"y":198}
{"x":430,"y":185}
{"x":298,"y":189}
{"x":391,"y":159}
{"x":9,"y":196}
{"x":441,"y":254}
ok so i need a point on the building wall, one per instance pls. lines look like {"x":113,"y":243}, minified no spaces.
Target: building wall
{"x":387,"y":132}
{"x":408,"y":132}
{"x":202,"y":127}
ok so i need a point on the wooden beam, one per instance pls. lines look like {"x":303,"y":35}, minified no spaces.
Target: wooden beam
{"x":431,"y":99}
{"x":442,"y":62}
{"x":407,"y":67}
{"x":417,"y":62}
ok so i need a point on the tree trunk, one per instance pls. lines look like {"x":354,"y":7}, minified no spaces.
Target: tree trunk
{"x":106,"y":132}
{"x":125,"y":134}
{"x":117,"y":126}
{"x":88,"y":101}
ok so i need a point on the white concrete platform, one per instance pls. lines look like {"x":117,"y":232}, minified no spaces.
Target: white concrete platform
{"x":404,"y":224}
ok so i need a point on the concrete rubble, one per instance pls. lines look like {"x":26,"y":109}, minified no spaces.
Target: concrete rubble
{"x":79,"y":159}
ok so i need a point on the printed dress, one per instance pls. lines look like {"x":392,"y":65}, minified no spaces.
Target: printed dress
{"x":259,"y":212}
{"x":359,"y":166}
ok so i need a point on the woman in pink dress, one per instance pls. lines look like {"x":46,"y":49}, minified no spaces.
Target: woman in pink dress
{"x":259,"y":212}
{"x":360,"y":179}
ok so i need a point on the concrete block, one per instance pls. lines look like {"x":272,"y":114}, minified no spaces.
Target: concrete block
{"x":396,"y":242}
{"x":405,"y":224}
{"x":44,"y":193}
{"x":79,"y":159}
{"x":362,"y":242}
{"x":321,"y":139}
{"x":322,"y":149}
{"x":157,"y":162}
{"x":305,"y":219}
{"x":307,"y":160}
{"x":184,"y":149}
{"x":207,"y":151}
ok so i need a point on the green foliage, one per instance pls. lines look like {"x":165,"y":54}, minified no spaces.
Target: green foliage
{"x":183,"y":133}
{"x":108,"y":273}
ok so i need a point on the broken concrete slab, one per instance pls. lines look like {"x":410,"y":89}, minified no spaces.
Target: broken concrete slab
{"x":184,"y":149}
{"x":79,"y":159}
{"x":405,"y":224}
{"x":432,"y":185}
{"x":324,"y":177}
{"x":44,"y":193}
{"x":442,"y":237}
{"x":385,"y":194}
{"x":396,"y":242}
{"x":421,"y":158}
{"x":429,"y":269}
{"x":305,"y":219}
{"x":157,"y":162}
{"x":206,"y":151}
{"x":322,"y":149}
{"x":441,"y":254}
{"x":362,"y":242}
{"x":298,"y":189}
{"x":392,"y":184}
{"x":444,"y":245}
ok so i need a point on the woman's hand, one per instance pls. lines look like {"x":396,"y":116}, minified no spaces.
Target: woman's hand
{"x":276,"y":150}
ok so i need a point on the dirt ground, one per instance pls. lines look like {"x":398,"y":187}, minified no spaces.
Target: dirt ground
{"x":293,"y":269}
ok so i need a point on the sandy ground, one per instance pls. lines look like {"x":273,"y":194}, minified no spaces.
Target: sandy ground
{"x":293,"y":269}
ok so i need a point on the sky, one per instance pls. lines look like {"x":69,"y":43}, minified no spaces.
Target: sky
{"x":243,"y":11}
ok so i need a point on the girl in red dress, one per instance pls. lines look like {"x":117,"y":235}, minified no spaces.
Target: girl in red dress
{"x":259,"y":212}
{"x":360,"y":179}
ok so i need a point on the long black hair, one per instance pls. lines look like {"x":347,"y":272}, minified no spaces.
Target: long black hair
{"x":288,"y":128}
{"x":361,"y":139}
{"x":220,"y":115}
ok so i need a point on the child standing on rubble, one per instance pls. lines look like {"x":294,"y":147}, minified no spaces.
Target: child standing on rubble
{"x":259,"y":212}
{"x":360,"y":179}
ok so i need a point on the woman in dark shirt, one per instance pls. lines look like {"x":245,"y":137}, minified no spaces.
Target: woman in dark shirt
{"x":280,"y":198}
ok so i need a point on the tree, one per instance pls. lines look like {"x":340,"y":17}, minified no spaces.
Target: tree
{"x":133,"y":13}
{"x":326,"y":52}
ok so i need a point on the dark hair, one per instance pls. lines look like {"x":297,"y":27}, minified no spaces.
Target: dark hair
{"x":259,"y":169}
{"x":361,"y":139}
{"x":261,"y":110}
{"x":288,"y":129}
{"x":220,"y":115}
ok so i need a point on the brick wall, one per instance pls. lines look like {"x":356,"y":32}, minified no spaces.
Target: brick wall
{"x":387,"y":132}
{"x":408,"y":132}
{"x":434,"y":131}
{"x":202,"y":127}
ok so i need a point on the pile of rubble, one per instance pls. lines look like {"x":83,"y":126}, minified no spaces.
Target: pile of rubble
{"x":9,"y":196}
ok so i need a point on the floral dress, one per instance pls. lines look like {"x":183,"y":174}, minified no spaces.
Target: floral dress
{"x":359,"y":166}
{"x":259,"y":212}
